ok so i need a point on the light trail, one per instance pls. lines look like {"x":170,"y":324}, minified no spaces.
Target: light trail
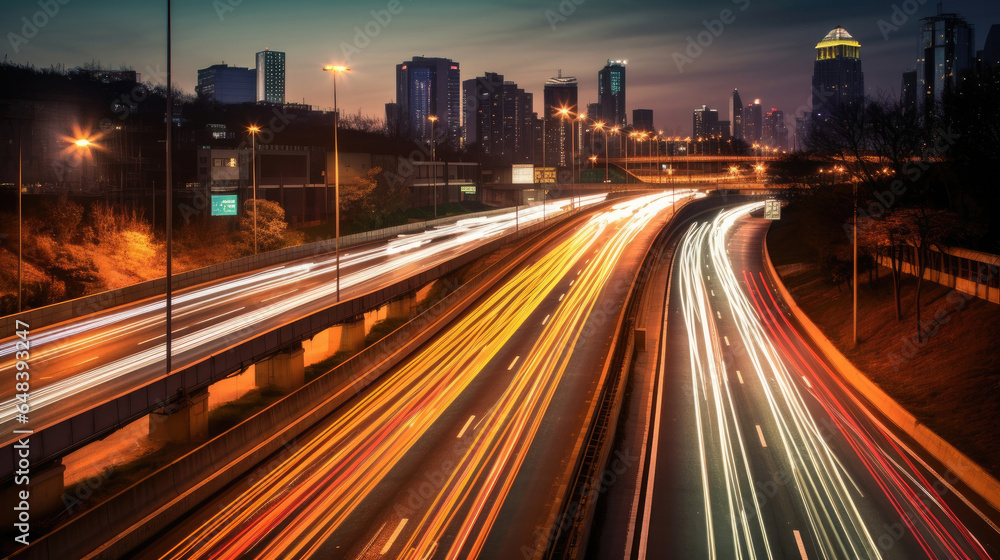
{"x":823,"y":485}
{"x":378,"y":266}
{"x":298,"y":507}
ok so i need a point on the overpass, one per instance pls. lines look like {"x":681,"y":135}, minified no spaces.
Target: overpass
{"x":222,"y":328}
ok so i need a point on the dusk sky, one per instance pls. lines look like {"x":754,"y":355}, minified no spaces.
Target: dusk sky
{"x":766,"y":51}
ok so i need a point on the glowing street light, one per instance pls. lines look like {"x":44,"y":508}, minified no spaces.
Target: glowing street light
{"x":336,"y":169}
{"x":254,"y":129}
{"x":433,"y":119}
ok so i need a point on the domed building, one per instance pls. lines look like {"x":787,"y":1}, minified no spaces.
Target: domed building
{"x":837,"y":76}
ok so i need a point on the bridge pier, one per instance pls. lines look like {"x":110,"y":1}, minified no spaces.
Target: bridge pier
{"x":285,"y":370}
{"x":401,"y":308}
{"x":318,"y":348}
{"x":181,"y":422}
{"x":44,"y":492}
{"x":352,"y":334}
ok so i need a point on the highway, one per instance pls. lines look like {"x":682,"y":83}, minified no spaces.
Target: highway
{"x":457,"y":452}
{"x":90,"y":360}
{"x":757,"y":448}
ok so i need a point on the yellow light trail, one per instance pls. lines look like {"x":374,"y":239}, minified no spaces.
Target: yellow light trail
{"x":293,"y":510}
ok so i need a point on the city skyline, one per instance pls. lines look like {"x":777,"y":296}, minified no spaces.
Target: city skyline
{"x":667,"y":74}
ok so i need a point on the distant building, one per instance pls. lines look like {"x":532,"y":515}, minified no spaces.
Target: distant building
{"x":427,"y":87}
{"x":774,"y":133}
{"x":753,"y":120}
{"x":989,"y":57}
{"x":560,"y":93}
{"x":735,"y":115}
{"x":802,"y":124}
{"x":946,"y":50}
{"x":227,"y":84}
{"x":642,"y":120}
{"x":837,"y":76}
{"x":611,"y":93}
{"x":271,"y":77}
{"x":498,"y":118}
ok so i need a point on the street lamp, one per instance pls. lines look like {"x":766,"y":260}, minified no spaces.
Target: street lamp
{"x":336,"y":170}
{"x":254,"y":129}
{"x":83,"y":145}
{"x":433,"y":119}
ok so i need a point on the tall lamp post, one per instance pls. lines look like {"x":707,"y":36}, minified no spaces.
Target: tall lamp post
{"x":254,"y":129}
{"x":433,"y":119}
{"x":336,"y":171}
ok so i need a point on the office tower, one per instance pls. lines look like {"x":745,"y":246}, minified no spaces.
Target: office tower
{"x":753,"y":120}
{"x":227,"y":84}
{"x":594,"y":112}
{"x":498,"y":118}
{"x":560,"y":93}
{"x":802,"y":124}
{"x":735,"y":115}
{"x":642,"y":120}
{"x":946,"y":51}
{"x":837,"y":77}
{"x":774,"y":133}
{"x":428,"y":87}
{"x":706,"y":123}
{"x":611,"y":93}
{"x":271,"y":76}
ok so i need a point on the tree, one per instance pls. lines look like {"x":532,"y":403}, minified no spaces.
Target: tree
{"x":271,"y":227}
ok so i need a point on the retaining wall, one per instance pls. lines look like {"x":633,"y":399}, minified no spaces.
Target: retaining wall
{"x":973,"y":475}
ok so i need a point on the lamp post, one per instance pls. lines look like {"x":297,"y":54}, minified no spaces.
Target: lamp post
{"x":433,"y":119}
{"x":336,"y":171}
{"x":20,"y":187}
{"x":563,"y":113}
{"x":855,"y":279}
{"x":254,"y":129}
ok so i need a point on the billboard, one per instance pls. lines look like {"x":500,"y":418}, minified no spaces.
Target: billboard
{"x":224,"y":205}
{"x":468,"y":189}
{"x":545,"y":175}
{"x":522,"y":173}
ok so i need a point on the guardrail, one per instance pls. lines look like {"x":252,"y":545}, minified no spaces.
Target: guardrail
{"x":114,"y":528}
{"x":67,"y":310}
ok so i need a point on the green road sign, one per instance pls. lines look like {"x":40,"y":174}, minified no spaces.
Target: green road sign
{"x":224,"y":204}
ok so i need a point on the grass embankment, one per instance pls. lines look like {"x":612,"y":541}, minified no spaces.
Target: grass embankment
{"x":949,"y":381}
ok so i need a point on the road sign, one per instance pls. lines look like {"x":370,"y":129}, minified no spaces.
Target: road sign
{"x":772,"y":209}
{"x":224,"y":205}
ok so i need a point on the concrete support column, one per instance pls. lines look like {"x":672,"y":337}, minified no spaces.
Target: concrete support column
{"x":30,"y":503}
{"x":401,"y":308}
{"x":352,"y":334}
{"x":185,"y":421}
{"x":285,"y":370}
{"x":318,"y":348}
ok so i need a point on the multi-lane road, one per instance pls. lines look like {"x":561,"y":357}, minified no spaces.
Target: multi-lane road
{"x":757,"y":449}
{"x":89,"y":360}
{"x":457,"y":453}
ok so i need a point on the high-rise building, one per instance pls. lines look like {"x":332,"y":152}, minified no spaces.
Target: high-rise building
{"x":946,"y":51}
{"x":642,"y":120}
{"x":427,"y":87}
{"x":774,"y":133}
{"x":560,"y":93}
{"x":735,"y":115}
{"x":271,"y":76}
{"x":753,"y":120}
{"x":611,"y":93}
{"x":802,"y":124}
{"x":227,"y":84}
{"x":706,"y":123}
{"x":837,"y":77}
{"x":498,"y":118}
